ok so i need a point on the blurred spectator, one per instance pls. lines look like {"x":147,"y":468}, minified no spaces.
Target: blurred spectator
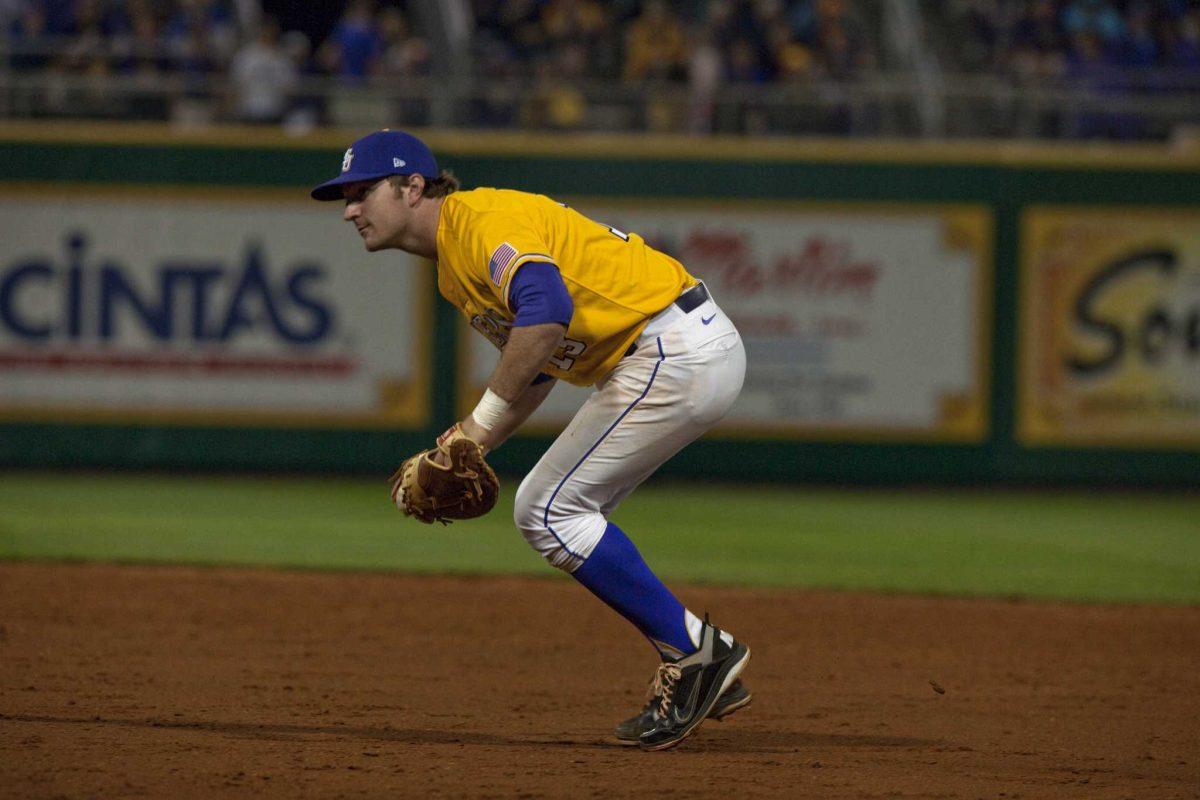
{"x":1183,"y":50}
{"x":59,"y":16}
{"x":498,"y":57}
{"x":198,"y":40}
{"x":355,"y":44}
{"x":1038,"y":43}
{"x":1093,"y":68}
{"x":705,"y":67}
{"x":1181,"y":53}
{"x":802,"y":19}
{"x":512,"y":23}
{"x":143,"y":54}
{"x":557,"y":102}
{"x":403,"y":53}
{"x":495,"y":105}
{"x":1088,"y":61}
{"x":842,"y":13}
{"x":583,"y":23}
{"x":194,"y":60}
{"x":578,"y":21}
{"x":840,"y":60}
{"x":34,"y":41}
{"x":981,"y":27}
{"x":1138,"y":47}
{"x":263,"y":77}
{"x":10,"y":15}
{"x":144,"y":60}
{"x":655,"y":45}
{"x":306,"y":110}
{"x":840,"y":56}
{"x":745,"y":63}
{"x":207,"y":21}
{"x":92,"y":29}
{"x":794,"y":63}
{"x":1099,"y":17}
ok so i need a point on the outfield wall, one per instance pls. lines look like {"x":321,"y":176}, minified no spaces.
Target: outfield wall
{"x":963,"y":313}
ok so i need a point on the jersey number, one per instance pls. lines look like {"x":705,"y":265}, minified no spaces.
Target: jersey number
{"x":567,"y":353}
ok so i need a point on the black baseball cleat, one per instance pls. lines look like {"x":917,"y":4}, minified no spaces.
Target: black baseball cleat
{"x":691,"y":687}
{"x":735,"y":697}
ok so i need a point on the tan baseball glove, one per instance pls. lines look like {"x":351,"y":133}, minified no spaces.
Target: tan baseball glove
{"x":464,"y":487}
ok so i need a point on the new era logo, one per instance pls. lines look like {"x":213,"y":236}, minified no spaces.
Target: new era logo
{"x":398,"y":162}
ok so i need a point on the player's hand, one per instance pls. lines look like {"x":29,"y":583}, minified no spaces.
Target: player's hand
{"x":464,"y":487}
{"x":475,"y":431}
{"x":469,"y":428}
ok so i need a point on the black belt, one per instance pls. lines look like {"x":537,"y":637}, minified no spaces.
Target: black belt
{"x":692,"y":299}
{"x":688,"y":302}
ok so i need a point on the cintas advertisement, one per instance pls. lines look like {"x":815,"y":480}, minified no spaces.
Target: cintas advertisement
{"x":182,"y":307}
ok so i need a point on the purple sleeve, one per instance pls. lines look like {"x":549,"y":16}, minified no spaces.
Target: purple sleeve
{"x":537,"y":294}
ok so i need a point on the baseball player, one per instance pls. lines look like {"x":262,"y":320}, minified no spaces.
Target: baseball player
{"x":567,"y":298}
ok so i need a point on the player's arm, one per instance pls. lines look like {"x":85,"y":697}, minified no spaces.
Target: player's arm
{"x":543,"y":311}
{"x":516,"y":414}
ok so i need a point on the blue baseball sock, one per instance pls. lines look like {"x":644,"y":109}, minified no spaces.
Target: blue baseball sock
{"x":616,"y":573}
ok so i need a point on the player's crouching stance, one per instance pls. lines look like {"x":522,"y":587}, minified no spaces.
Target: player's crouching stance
{"x":565,"y":297}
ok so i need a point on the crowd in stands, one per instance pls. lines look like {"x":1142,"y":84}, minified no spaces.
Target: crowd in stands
{"x":755,"y":41}
{"x":704,"y":44}
{"x":228,"y":46}
{"x":1114,"y":49}
{"x":1039,"y":40}
{"x":540,"y":61}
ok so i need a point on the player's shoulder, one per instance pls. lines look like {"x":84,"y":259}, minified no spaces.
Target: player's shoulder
{"x":488,"y":200}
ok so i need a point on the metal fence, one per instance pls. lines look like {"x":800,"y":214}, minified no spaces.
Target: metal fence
{"x":1145,"y":105}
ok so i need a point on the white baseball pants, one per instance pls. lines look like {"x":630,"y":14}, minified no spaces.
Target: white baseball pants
{"x":684,"y":376}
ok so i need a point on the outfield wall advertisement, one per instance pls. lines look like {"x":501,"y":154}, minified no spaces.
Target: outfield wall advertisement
{"x":1110,"y":327}
{"x":945,"y":313}
{"x":161,"y":305}
{"x":859,"y":319}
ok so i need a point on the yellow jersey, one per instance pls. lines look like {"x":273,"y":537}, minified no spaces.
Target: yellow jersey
{"x":616,"y":281}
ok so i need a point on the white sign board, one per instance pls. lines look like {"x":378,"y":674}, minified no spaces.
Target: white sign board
{"x":175,"y":306}
{"x":863,"y":320}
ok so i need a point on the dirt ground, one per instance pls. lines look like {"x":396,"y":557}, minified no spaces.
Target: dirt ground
{"x":178,"y":682}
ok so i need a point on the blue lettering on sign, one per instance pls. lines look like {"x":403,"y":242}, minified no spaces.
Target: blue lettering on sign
{"x":10,"y":286}
{"x":196,"y":301}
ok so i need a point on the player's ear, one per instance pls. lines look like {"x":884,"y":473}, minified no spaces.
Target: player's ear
{"x":416,"y":186}
{"x":402,"y":187}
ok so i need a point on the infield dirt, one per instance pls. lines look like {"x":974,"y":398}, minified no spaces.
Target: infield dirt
{"x":123,"y":681}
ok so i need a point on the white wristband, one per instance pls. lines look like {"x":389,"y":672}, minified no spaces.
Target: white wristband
{"x":491,"y":407}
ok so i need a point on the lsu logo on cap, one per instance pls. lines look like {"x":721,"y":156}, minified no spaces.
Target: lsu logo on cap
{"x":346,"y":159}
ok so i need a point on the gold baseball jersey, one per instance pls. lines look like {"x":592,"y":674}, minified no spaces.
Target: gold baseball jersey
{"x":616,"y":281}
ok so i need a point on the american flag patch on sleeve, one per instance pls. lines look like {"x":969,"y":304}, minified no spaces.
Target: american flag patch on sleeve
{"x":502,"y":259}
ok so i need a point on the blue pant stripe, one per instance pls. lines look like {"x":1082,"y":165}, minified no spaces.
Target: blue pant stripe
{"x":546,"y":517}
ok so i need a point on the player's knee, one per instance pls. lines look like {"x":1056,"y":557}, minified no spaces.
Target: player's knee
{"x":526,"y":509}
{"x":562,"y":537}
{"x":529,"y":515}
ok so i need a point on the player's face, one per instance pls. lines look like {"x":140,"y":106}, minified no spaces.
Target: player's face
{"x":380,"y":217}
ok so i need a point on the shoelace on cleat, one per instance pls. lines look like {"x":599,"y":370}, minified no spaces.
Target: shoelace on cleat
{"x":666,"y":678}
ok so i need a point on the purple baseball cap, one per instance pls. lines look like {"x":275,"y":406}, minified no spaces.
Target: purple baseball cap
{"x":378,"y":155}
